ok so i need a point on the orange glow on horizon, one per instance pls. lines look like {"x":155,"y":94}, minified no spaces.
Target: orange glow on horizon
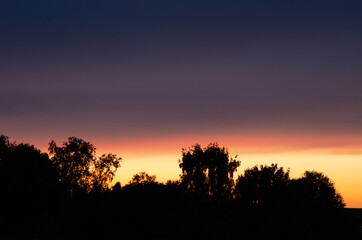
{"x":244,"y":144}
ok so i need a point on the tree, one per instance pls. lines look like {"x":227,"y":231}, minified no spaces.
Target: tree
{"x":316,"y":190}
{"x":117,"y":187}
{"x":266,"y":186}
{"x":104,"y":171}
{"x":79,"y":168}
{"x":26,"y":175}
{"x":142,"y":178}
{"x":208,"y":171}
{"x":5,"y":146}
{"x":143,"y":188}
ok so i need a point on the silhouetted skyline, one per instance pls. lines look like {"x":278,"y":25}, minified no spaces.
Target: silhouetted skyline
{"x":69,"y":194}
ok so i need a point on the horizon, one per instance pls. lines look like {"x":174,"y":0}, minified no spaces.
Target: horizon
{"x":273,"y":81}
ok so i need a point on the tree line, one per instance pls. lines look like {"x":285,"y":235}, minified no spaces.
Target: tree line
{"x":74,"y":169}
{"x":71,"y":180}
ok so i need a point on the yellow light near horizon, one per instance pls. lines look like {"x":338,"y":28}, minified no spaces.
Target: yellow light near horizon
{"x":165,"y":167}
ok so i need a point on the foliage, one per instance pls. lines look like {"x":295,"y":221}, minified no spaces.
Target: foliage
{"x":271,"y":187}
{"x":104,"y":170}
{"x":264,"y":186}
{"x":142,"y":178}
{"x":117,"y":187}
{"x":33,"y":203}
{"x":5,"y":147}
{"x":26,"y":175}
{"x":143,"y":190}
{"x":315,"y":190}
{"x":208,"y":171}
{"x":80,"y":169}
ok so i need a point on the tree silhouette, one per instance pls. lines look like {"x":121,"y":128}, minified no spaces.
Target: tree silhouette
{"x":142,"y":178}
{"x":104,"y":170}
{"x":315,"y":190}
{"x":117,"y":187}
{"x":143,"y":189}
{"x":35,"y":203}
{"x":5,"y":146}
{"x":208,"y":171}
{"x":264,"y":186}
{"x":79,"y":168}
{"x":27,"y":176}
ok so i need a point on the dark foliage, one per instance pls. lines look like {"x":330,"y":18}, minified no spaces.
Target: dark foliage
{"x":35,"y":201}
{"x":5,"y":146}
{"x":264,"y":186}
{"x":208,"y":171}
{"x":271,"y":187}
{"x":79,"y":169}
{"x":315,"y":190}
{"x":73,"y":161}
{"x":27,"y":177}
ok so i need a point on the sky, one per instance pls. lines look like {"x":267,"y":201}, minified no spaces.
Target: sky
{"x":273,"y":81}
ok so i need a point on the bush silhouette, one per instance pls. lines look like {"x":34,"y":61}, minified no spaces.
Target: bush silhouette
{"x":271,"y":187}
{"x":264,"y":186}
{"x":315,"y":190}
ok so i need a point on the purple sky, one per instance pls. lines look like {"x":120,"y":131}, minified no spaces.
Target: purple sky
{"x":127,"y":69}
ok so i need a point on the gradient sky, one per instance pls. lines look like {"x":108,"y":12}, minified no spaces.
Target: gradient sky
{"x":274,"y":81}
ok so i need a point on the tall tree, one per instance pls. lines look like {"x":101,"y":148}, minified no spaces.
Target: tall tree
{"x":208,"y":171}
{"x":79,"y":168}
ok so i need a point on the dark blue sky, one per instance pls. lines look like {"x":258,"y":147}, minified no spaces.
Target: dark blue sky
{"x":135,"y":69}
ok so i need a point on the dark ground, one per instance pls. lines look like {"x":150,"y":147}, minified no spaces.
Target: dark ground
{"x":139,"y":219}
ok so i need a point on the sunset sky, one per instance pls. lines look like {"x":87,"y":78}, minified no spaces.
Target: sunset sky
{"x":273,"y":81}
